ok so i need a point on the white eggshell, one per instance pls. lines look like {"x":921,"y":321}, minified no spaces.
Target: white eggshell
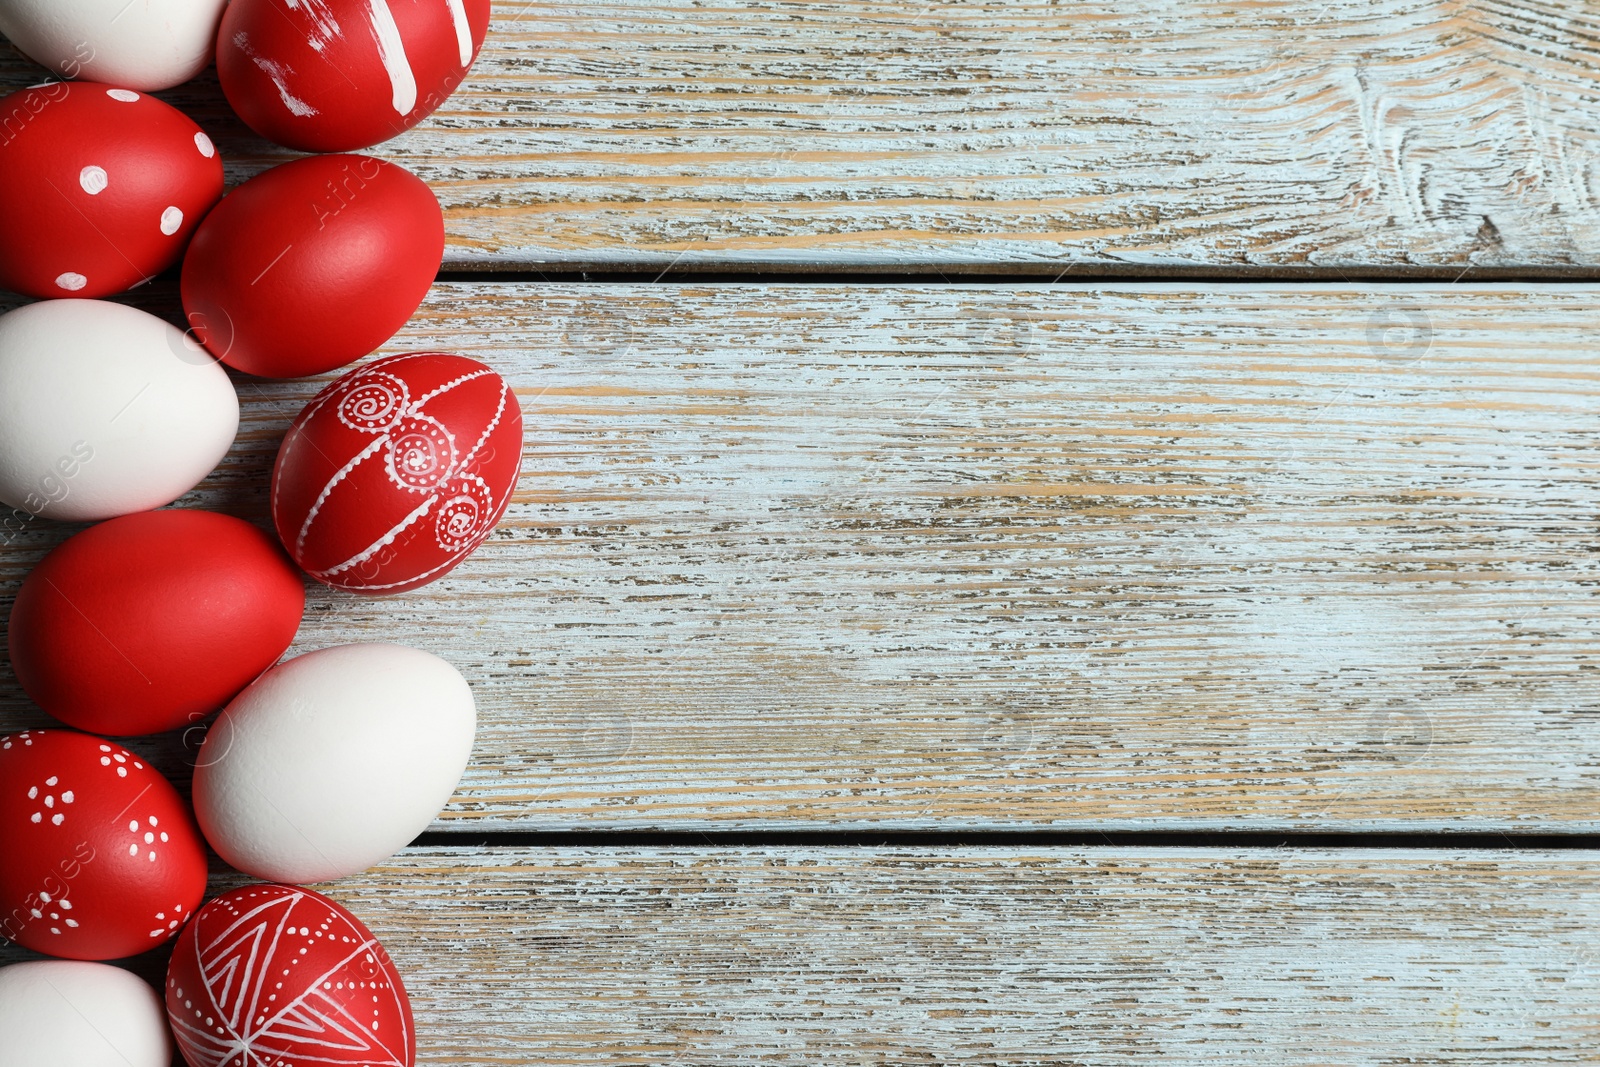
{"x":137,"y":44}
{"x":59,"y":1012}
{"x":333,"y":761}
{"x":105,"y":410}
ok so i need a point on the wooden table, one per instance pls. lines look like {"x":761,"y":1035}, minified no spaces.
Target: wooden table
{"x":1052,"y":533}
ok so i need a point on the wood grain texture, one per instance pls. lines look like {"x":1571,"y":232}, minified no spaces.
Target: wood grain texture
{"x":989,"y":956}
{"x":1107,"y":136}
{"x":1118,"y":556}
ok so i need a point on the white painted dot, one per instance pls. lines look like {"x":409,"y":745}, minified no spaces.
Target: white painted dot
{"x":133,"y":850}
{"x":202,"y":142}
{"x":52,"y":780}
{"x":44,"y":897}
{"x":122,"y":772}
{"x":37,"y":817}
{"x":105,"y":761}
{"x":72,"y":923}
{"x":72,"y":282}
{"x":133,"y":826}
{"x":58,"y":818}
{"x":127,"y":96}
{"x":153,"y":821}
{"x":163,"y":836}
{"x":67,"y":798}
{"x":93,"y":179}
{"x":49,"y":801}
{"x":33,"y":793}
{"x":66,"y":905}
{"x":105,"y":748}
{"x":120,"y":757}
{"x":152,"y":857}
{"x":149,"y":839}
{"x":171,"y":219}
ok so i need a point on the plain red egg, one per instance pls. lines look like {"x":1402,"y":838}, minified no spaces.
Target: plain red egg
{"x":102,"y":858}
{"x":312,"y":264}
{"x":335,"y":75}
{"x":154,"y":620}
{"x":394,"y":473}
{"x":275,"y":974}
{"x":100,"y":188}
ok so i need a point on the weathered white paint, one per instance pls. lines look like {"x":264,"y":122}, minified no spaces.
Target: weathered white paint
{"x":1107,"y":135}
{"x":1152,"y":555}
{"x":1101,"y":957}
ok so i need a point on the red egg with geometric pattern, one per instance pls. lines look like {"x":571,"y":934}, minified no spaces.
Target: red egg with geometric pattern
{"x":274,"y":974}
{"x":99,"y":856}
{"x":395,"y":472}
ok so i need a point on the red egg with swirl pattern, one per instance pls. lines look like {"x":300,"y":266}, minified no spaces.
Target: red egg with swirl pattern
{"x":99,"y":856}
{"x":275,"y":974}
{"x":397,"y":471}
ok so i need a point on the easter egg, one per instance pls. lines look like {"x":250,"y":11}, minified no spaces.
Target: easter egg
{"x":100,"y":188}
{"x":278,"y":975}
{"x":312,"y":264}
{"x":395,"y":472}
{"x":104,"y":410}
{"x":101,"y":857}
{"x":148,"y":44}
{"x":333,"y":75}
{"x":152,"y":621}
{"x":58,"y":1012}
{"x":333,"y":761}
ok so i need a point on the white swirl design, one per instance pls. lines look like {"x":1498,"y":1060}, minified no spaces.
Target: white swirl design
{"x":374,"y":403}
{"x":463,"y":519}
{"x":421,"y":453}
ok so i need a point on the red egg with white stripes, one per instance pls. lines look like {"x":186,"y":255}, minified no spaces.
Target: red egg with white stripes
{"x":101,"y":857}
{"x":100,"y":188}
{"x":394,"y":473}
{"x":336,"y":75}
{"x":275,"y":974}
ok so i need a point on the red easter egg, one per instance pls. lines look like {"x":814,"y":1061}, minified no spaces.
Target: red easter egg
{"x":100,"y":188}
{"x":102,"y":858}
{"x":333,"y":75}
{"x":153,"y":620}
{"x":275,"y":974}
{"x":312,"y":264}
{"x":394,"y":473}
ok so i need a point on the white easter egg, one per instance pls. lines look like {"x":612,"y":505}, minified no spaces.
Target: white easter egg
{"x":57,"y":1012}
{"x":333,"y":761}
{"x":105,"y":410}
{"x":140,"y":44}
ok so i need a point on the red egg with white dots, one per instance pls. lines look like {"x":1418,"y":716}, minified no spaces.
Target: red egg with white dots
{"x":100,"y":188}
{"x":276,"y":974}
{"x":334,"y":75}
{"x":101,"y":857}
{"x":397,"y":471}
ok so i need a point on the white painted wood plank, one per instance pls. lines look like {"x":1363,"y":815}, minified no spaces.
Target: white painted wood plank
{"x":1104,"y":136}
{"x":1095,"y":957}
{"x":1117,"y":556}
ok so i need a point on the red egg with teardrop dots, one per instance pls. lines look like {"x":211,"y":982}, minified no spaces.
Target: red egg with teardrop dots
{"x":394,"y":473}
{"x":153,"y":621}
{"x":101,"y":857}
{"x":312,"y":264}
{"x":100,"y":188}
{"x":275,"y":974}
{"x":334,"y":75}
